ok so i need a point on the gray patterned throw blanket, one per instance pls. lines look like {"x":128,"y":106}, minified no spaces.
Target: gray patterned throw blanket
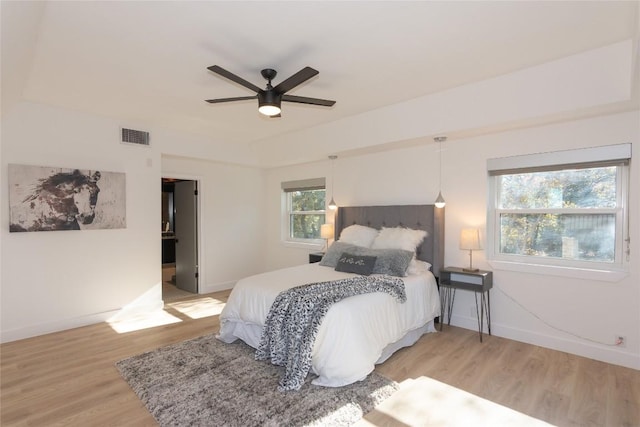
{"x":295,"y":316}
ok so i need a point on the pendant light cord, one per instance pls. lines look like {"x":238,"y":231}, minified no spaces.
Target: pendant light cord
{"x":440,"y":200}
{"x":332,"y":204}
{"x":440,"y":165}
{"x":333,"y":175}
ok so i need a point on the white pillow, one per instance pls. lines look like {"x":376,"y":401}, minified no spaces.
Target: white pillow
{"x":358,"y":235}
{"x":418,"y":267}
{"x":399,"y":238}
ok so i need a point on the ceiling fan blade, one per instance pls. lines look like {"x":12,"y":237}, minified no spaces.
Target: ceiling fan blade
{"x":229,"y":75}
{"x":238,"y":98}
{"x":305,"y":100}
{"x":298,"y":78}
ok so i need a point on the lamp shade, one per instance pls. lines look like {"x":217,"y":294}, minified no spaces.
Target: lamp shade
{"x":470,"y":239}
{"x":326,"y":231}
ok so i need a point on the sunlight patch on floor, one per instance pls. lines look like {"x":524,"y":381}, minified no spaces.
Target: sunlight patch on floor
{"x":427,"y":402}
{"x":139,"y":321}
{"x":198,"y":308}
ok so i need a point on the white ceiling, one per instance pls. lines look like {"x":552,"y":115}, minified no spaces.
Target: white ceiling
{"x":145,"y":62}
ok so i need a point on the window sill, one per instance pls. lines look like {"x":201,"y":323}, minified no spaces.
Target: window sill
{"x":314,"y":246}
{"x":572,"y":272}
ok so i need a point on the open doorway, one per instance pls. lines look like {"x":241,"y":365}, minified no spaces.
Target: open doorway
{"x":179,"y":238}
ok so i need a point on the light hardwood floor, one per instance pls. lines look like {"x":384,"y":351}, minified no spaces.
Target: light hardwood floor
{"x":69,"y":378}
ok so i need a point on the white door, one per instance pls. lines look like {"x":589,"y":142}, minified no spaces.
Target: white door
{"x":186,"y":231}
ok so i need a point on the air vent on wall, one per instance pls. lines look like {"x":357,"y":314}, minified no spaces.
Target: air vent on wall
{"x":137,"y":137}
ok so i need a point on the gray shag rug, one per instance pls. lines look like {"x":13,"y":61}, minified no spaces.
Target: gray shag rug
{"x":205,"y":382}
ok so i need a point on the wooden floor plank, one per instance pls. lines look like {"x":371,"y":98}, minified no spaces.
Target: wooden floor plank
{"x":588,"y":405}
{"x":623,"y":403}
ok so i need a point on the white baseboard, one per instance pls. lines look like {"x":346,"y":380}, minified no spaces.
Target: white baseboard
{"x":56,"y":326}
{"x":148,"y":302}
{"x":608,"y":354}
{"x":216,"y":287}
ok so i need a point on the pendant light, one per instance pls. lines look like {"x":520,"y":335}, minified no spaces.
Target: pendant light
{"x":440,"y":200}
{"x":332,"y":203}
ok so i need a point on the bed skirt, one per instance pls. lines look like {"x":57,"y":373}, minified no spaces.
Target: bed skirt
{"x":251,"y":333}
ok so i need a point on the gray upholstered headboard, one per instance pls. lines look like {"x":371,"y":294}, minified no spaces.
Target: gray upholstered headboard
{"x":419,"y":217}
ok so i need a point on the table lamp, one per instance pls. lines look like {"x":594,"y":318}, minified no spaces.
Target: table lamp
{"x":326,"y":232}
{"x":470,"y":240}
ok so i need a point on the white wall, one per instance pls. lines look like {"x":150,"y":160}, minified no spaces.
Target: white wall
{"x":232,"y":227}
{"x":279,"y":254}
{"x":58,"y":280}
{"x":587,"y":309}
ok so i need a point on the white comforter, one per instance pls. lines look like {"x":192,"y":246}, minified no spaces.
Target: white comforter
{"x":356,"y":332}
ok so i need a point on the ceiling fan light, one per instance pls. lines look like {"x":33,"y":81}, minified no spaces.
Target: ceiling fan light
{"x":269,"y":103}
{"x":269,"y":110}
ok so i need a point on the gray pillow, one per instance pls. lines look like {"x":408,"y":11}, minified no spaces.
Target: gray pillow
{"x":359,"y":264}
{"x":393,"y":262}
{"x":330,"y":259}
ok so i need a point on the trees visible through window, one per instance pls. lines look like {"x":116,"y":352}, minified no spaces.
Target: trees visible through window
{"x":306,"y":213}
{"x":559,"y":214}
{"x":305,"y":209}
{"x":569,"y":214}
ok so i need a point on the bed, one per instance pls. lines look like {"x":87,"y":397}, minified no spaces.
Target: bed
{"x":359,"y":331}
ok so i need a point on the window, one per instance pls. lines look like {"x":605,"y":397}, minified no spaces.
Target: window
{"x":563,"y":209}
{"x":305,"y":210}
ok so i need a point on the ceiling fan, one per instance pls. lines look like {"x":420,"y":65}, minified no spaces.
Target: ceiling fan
{"x":270,"y":98}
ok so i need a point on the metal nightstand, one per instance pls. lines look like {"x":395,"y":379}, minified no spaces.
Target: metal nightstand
{"x":315,"y":257}
{"x":480,"y":282}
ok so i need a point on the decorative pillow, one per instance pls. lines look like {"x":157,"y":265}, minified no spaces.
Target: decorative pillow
{"x":399,"y":238}
{"x":359,"y":264}
{"x":358,"y":235}
{"x":393,"y":262}
{"x":418,"y":267}
{"x":331,"y":257}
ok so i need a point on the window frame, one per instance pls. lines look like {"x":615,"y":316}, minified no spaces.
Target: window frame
{"x":617,"y":155}
{"x":288,"y":188}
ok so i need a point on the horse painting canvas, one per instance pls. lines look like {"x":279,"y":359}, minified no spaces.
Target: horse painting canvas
{"x":52,"y":199}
